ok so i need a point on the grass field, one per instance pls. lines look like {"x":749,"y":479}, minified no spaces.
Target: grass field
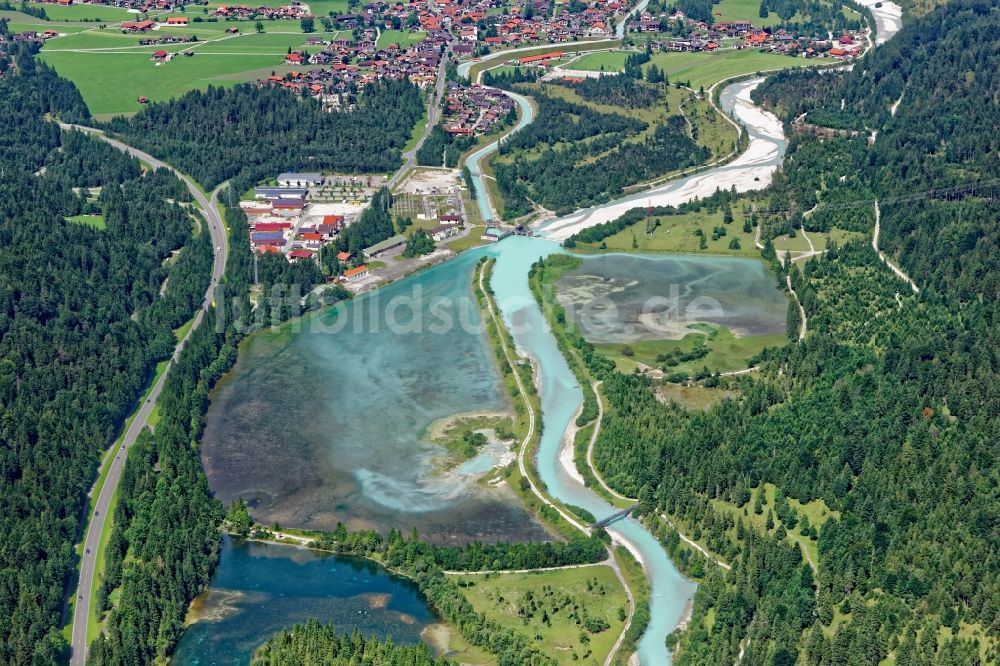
{"x":470,"y":241}
{"x":325,"y":7}
{"x":746,"y":10}
{"x":92,"y":221}
{"x":418,"y":130}
{"x":676,"y":235}
{"x":112,"y":83}
{"x":797,"y":244}
{"x":726,"y":352}
{"x":701,"y":69}
{"x":693,"y":397}
{"x":523,"y":602}
{"x":607,"y":61}
{"x":81,"y":12}
{"x":404,"y":38}
{"x":112,"y":70}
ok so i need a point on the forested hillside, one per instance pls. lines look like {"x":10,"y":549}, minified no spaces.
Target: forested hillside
{"x":249,"y":134}
{"x":84,"y":316}
{"x":854,"y":482}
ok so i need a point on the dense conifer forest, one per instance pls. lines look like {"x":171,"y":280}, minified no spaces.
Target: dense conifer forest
{"x":319,"y":645}
{"x":86,"y":310}
{"x":248,"y":134}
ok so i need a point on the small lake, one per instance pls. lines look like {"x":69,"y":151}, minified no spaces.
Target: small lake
{"x":628,"y":297}
{"x":261,"y":588}
{"x":325,"y":418}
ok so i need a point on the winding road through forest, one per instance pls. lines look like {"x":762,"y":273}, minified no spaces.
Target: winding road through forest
{"x":102,"y":503}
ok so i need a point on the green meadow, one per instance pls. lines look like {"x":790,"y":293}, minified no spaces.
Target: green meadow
{"x":112,"y":70}
{"x":111,"y":83}
{"x":81,"y":12}
{"x":573,"y":615}
{"x":327,"y":7}
{"x":700,"y":69}
{"x":92,"y":221}
{"x":402,"y":37}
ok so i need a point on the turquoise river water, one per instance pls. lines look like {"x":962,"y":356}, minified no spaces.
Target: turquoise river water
{"x":561,"y":396}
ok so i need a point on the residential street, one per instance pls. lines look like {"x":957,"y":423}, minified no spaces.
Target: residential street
{"x":433,"y":117}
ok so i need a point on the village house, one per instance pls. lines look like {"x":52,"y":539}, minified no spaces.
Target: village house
{"x":137,"y":26}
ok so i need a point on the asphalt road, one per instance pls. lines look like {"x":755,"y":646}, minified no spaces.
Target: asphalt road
{"x":433,"y":117}
{"x":102,"y":503}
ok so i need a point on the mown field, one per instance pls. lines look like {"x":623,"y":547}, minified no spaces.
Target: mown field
{"x":83,"y":12}
{"x":112,"y":70}
{"x":403,"y":38}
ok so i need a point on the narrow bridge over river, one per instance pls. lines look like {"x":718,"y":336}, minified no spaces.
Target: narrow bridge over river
{"x":604,"y":522}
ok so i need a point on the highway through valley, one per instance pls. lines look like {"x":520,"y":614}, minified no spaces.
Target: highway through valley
{"x":116,"y":464}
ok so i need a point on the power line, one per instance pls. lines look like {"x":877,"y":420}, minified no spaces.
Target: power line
{"x":947,"y":194}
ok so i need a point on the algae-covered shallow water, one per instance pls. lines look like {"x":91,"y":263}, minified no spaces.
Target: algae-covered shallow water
{"x":628,"y":297}
{"x":261,"y":588}
{"x":324,"y":419}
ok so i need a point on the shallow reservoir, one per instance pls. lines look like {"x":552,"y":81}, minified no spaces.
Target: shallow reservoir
{"x":629,"y":297}
{"x":324,"y":419}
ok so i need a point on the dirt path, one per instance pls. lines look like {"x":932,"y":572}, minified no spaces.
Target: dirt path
{"x":881,"y":255}
{"x":803,"y":326}
{"x":695,"y":545}
{"x":613,"y":563}
{"x":610,"y":562}
{"x":523,"y":449}
{"x":594,"y":385}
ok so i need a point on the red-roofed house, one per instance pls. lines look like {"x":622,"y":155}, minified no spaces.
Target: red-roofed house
{"x":355,"y":274}
{"x":137,"y":26}
{"x":300,"y":254}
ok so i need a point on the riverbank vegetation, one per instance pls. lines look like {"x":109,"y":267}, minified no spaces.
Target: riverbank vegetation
{"x":527,"y":407}
{"x":691,"y":229}
{"x":463,"y":436}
